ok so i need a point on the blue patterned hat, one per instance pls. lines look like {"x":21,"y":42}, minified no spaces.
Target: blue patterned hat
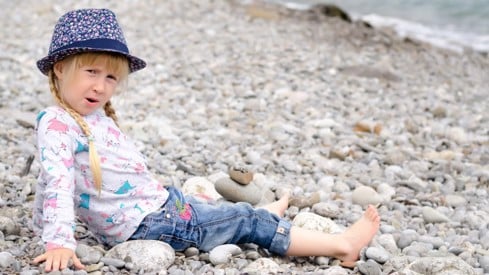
{"x":87,"y":30}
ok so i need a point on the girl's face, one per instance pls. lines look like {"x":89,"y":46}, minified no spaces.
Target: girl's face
{"x":88,"y":87}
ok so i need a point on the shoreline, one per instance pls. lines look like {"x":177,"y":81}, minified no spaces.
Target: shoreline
{"x":450,"y":38}
{"x":308,"y":102}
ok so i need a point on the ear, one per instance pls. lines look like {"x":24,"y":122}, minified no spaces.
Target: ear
{"x":58,"y":69}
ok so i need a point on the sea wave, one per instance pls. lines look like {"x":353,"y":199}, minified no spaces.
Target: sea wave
{"x":451,"y":25}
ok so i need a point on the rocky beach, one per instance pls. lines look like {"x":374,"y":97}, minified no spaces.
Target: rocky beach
{"x":340,"y":113}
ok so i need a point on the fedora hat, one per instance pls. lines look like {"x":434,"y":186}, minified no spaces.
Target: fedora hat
{"x":87,"y":30}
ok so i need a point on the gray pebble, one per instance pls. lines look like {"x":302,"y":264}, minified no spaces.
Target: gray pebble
{"x":6,"y":259}
{"x":252,"y":255}
{"x":94,"y":267}
{"x":263,"y":265}
{"x":365,"y":195}
{"x":418,"y":249}
{"x":236,"y":192}
{"x":195,"y":265}
{"x":406,"y":238}
{"x":321,"y":261}
{"x":388,"y":242}
{"x":437,"y":242}
{"x":369,"y":267}
{"x":191,"y":251}
{"x":151,"y":255}
{"x":8,"y":226}
{"x":223,"y":253}
{"x":431,"y":215}
{"x":241,"y":263}
{"x":326,"y":209}
{"x":484,"y":263}
{"x":455,"y":200}
{"x":92,"y":258}
{"x":82,"y":250}
{"x":113,"y":262}
{"x":377,"y":254}
{"x":129,"y":266}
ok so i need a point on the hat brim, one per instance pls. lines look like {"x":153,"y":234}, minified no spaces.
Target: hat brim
{"x":46,"y":64}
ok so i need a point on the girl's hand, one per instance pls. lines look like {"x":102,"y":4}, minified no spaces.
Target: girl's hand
{"x":57,"y":259}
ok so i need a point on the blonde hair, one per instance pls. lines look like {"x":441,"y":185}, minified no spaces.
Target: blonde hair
{"x":116,"y":63}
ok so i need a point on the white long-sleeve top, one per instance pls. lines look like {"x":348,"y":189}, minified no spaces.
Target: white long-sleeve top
{"x":65,"y":186}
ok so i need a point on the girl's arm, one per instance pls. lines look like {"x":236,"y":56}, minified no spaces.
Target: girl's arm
{"x":56,"y":138}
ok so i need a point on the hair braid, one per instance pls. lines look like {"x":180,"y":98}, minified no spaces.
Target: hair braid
{"x":93,"y":156}
{"x":110,"y":111}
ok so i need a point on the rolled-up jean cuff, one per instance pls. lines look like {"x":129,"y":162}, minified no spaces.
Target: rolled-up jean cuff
{"x":281,"y":241}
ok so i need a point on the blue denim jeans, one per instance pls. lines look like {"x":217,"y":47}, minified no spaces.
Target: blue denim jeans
{"x":183,"y":222}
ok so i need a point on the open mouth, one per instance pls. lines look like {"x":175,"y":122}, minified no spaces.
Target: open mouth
{"x":92,"y":100}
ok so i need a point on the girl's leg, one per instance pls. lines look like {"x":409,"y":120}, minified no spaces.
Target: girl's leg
{"x":278,"y":207}
{"x":345,"y":246}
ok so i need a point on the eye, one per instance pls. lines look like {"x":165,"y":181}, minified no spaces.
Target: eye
{"x":113,"y":77}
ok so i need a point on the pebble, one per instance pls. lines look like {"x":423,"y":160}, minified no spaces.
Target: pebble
{"x":396,"y":133}
{"x":407,"y":237}
{"x":440,"y":265}
{"x":240,"y":175}
{"x":484,"y":263}
{"x":315,"y":222}
{"x":144,"y":254}
{"x":8,"y":226}
{"x":236,"y":192}
{"x":118,"y":263}
{"x":431,"y":215}
{"x":388,"y":242}
{"x":6,"y":259}
{"x":365,"y":195}
{"x":303,"y":201}
{"x":223,"y":253}
{"x":369,"y":267}
{"x":455,"y":200}
{"x":263,"y":265}
{"x":377,"y":254}
{"x":326,"y":209}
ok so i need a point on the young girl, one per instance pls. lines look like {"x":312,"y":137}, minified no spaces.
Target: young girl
{"x":91,"y":170}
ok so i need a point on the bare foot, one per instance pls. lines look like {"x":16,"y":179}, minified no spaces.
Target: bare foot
{"x":359,"y":235}
{"x":278,"y":207}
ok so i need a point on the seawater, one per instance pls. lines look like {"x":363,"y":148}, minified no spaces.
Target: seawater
{"x":450,"y":24}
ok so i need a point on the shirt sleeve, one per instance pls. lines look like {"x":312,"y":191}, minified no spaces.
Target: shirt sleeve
{"x":55,"y":138}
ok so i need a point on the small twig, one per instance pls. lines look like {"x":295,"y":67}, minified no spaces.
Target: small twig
{"x":27,"y":166}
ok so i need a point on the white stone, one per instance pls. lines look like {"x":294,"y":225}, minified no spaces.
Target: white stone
{"x":315,"y":222}
{"x":149,"y":255}
{"x":223,"y":253}
{"x":365,"y":195}
{"x":201,"y":189}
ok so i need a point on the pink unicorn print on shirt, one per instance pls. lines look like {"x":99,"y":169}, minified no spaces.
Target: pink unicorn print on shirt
{"x":139,"y":168}
{"x":112,"y":137}
{"x":68,"y":162}
{"x":57,"y":126}
{"x":76,"y":129}
{"x":96,"y":120}
{"x":50,"y":204}
{"x":51,"y":201}
{"x":114,"y":132}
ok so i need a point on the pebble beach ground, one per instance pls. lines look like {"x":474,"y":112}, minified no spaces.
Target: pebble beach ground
{"x":342,"y":114}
